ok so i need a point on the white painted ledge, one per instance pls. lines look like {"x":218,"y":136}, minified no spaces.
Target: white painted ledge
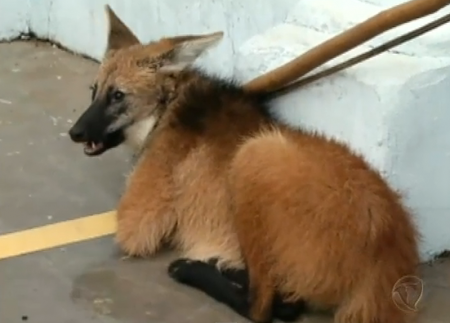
{"x":394,"y":108}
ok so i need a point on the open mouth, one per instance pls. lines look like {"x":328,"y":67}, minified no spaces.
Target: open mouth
{"x":97,"y":145}
{"x":93,"y":149}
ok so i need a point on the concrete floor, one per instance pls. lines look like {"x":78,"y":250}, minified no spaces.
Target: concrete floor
{"x":45,"y":179}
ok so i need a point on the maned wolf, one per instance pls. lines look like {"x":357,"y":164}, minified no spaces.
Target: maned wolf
{"x":232,"y":188}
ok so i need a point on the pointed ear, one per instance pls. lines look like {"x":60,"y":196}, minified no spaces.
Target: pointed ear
{"x":119,"y":35}
{"x":188,"y":48}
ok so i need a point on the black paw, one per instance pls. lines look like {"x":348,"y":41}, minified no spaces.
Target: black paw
{"x":238,"y":278}
{"x":180,"y":269}
{"x":289,"y":312}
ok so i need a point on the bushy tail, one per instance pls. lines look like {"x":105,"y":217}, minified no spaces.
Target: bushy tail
{"x":383,"y":302}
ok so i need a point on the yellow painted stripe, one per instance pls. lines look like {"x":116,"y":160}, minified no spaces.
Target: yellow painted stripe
{"x":58,"y":234}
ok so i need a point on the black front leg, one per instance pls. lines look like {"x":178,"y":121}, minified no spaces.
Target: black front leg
{"x":288,"y":311}
{"x":229,"y":286}
{"x":206,"y":278}
{"x":283,"y":310}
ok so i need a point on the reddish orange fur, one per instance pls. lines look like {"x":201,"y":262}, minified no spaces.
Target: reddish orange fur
{"x":311,"y":218}
{"x":353,"y":238}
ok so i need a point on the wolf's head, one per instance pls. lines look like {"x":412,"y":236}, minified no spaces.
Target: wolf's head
{"x":133,"y":85}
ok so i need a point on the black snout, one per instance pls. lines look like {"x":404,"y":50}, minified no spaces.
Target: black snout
{"x":91,"y":129}
{"x":90,"y":125}
{"x":78,"y":134}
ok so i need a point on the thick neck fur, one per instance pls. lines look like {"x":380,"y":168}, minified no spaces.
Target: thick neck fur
{"x":207,"y":104}
{"x":203,"y":105}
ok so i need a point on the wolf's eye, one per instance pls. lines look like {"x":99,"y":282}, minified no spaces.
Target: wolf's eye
{"x":118,"y":95}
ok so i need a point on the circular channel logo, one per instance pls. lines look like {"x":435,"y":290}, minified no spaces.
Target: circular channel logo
{"x":407,"y":293}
